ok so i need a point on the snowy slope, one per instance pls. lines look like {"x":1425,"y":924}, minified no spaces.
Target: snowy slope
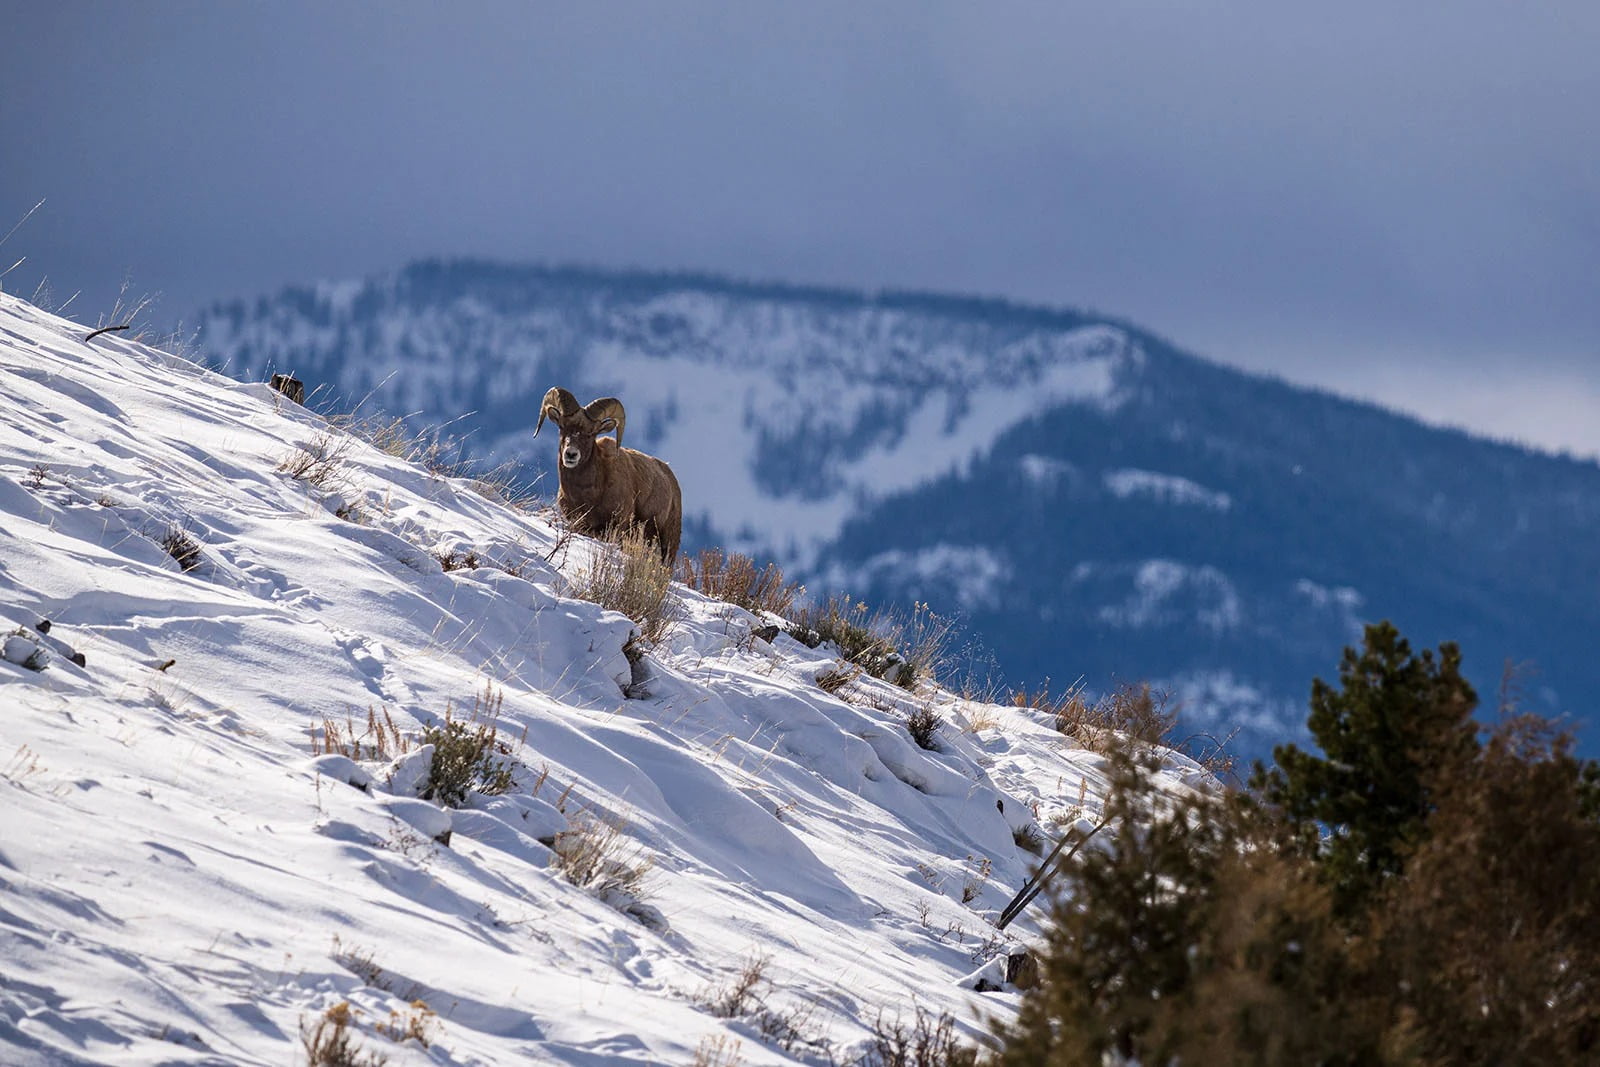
{"x":183,"y":881}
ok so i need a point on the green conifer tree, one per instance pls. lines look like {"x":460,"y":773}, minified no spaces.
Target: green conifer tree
{"x":1396,"y":723}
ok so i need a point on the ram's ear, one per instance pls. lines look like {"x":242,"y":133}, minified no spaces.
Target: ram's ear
{"x":606,"y":426}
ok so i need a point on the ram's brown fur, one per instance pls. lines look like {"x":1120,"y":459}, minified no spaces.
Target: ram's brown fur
{"x":609,"y":488}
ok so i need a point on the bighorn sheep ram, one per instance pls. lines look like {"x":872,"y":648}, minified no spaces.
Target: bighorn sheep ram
{"x":605,"y":487}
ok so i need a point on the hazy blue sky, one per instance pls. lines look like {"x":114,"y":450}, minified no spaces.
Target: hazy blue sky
{"x":1397,"y":200}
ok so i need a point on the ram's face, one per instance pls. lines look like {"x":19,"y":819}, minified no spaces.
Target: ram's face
{"x":578,"y":438}
{"x":576,"y":448}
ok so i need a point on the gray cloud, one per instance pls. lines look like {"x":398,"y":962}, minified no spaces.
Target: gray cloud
{"x":1371,"y":196}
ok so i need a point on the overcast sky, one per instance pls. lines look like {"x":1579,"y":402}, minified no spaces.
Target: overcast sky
{"x":1396,"y":200}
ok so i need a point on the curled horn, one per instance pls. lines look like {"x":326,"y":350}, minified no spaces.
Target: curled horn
{"x":607,"y":407}
{"x":559,"y":405}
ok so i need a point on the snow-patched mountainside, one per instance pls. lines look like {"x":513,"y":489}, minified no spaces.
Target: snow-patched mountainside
{"x":756,"y":391}
{"x":1090,"y":500}
{"x":182,"y":880}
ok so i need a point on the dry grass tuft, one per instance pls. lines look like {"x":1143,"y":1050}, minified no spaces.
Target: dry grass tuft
{"x":718,"y":1050}
{"x":981,"y":717}
{"x":416,"y":1023}
{"x":359,"y":962}
{"x":628,"y":575}
{"x":595,"y":855}
{"x":745,"y":997}
{"x":440,"y":454}
{"x":508,"y":484}
{"x":924,"y":641}
{"x":864,"y":640}
{"x":741,"y":996}
{"x":331,"y":1041}
{"x":735,"y":579}
{"x":381,"y":741}
{"x":178,"y":543}
{"x":321,"y":461}
{"x":1132,"y":713}
{"x":833,"y":680}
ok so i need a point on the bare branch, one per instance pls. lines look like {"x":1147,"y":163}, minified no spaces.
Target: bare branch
{"x":107,"y":329}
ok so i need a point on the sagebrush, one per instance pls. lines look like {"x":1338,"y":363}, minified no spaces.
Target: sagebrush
{"x":468,"y":756}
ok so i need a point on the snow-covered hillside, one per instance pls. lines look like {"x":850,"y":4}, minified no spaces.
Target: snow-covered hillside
{"x":183,"y":880}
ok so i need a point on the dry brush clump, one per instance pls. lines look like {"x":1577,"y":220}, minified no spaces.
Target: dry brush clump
{"x":469,"y":755}
{"x":845,"y":622}
{"x":330,"y":1041}
{"x":322,"y":461}
{"x":628,"y":574}
{"x":1131,"y":713}
{"x":928,"y":1040}
{"x":734,"y":578}
{"x":908,"y":651}
{"x":459,"y":560}
{"x":418,"y":1023}
{"x":1134,"y":713}
{"x":835,"y":679}
{"x":923,"y":725}
{"x":742,"y":995}
{"x":359,"y":962}
{"x":594,"y":854}
{"x":177,"y":542}
{"x":1028,"y":838}
{"x":745,"y":996}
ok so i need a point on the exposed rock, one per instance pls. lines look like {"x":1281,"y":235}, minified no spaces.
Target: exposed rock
{"x":291,"y":387}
